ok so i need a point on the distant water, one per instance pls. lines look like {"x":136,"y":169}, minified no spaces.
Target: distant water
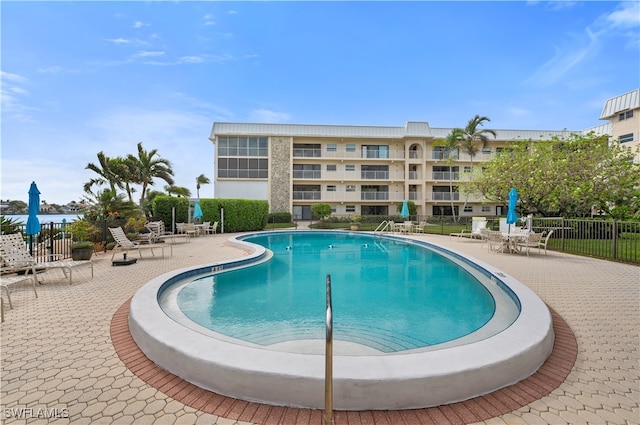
{"x":45,"y":218}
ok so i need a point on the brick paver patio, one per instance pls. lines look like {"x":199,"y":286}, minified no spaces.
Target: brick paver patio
{"x":59,"y":358}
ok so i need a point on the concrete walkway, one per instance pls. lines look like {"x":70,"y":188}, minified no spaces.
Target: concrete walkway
{"x":58,"y":358}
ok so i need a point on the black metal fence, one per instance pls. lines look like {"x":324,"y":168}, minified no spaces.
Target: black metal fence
{"x":55,"y":239}
{"x":606,"y":239}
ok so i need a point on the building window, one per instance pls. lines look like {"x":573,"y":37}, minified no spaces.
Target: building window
{"x":350,"y":147}
{"x":351,"y":188}
{"x":331,"y":188}
{"x":243,"y":168}
{"x":350,"y":208}
{"x":332,"y":167}
{"x":349,"y":167}
{"x":626,"y":138}
{"x":625,"y":115}
{"x":243,"y":146}
{"x":375,"y":151}
{"x":485,"y":209}
{"x":486,"y":151}
{"x":332,"y":147}
{"x":468,"y":209}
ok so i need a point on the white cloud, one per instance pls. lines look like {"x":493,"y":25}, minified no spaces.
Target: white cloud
{"x":626,"y":16}
{"x":269,"y":116}
{"x":138,"y":24}
{"x":13,"y":78}
{"x":118,"y":40}
{"x":149,"y":54}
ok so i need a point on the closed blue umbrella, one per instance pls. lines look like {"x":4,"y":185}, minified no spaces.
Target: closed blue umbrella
{"x":33,"y":224}
{"x":512,"y":216}
{"x":405,"y":209}
{"x":197,"y":211}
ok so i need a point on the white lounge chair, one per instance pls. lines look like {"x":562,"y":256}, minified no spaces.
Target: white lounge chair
{"x":478,"y":225}
{"x":157,"y":233}
{"x":15,"y":256}
{"x":7,"y":280}
{"x":124,"y":244}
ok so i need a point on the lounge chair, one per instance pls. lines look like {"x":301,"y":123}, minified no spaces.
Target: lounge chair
{"x":124,"y":244}
{"x":15,"y":256}
{"x":157,"y":233}
{"x":477,"y":230}
{"x":8,"y":280}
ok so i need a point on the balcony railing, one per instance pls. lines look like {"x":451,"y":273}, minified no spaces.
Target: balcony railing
{"x":415,"y":175}
{"x":374,"y":196}
{"x":445,"y":175}
{"x":445,"y":196}
{"x":307,"y":195}
{"x":303,"y":174}
{"x":344,"y":154}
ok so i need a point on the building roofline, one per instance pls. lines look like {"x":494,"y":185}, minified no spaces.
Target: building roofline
{"x":411,"y":129}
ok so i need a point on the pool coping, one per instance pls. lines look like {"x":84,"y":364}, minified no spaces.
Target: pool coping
{"x":267,"y":377}
{"x":545,"y":380}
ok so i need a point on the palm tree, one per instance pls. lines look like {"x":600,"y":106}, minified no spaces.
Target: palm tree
{"x":127,"y":170}
{"x":149,"y":167}
{"x":106,"y":173}
{"x":200,"y":180}
{"x":473,"y":140}
{"x":451,"y":144}
{"x":179,"y":191}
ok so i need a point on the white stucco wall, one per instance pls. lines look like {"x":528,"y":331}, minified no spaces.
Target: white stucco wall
{"x":242,"y":189}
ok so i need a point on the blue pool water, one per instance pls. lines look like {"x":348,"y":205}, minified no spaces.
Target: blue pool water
{"x":387,"y":294}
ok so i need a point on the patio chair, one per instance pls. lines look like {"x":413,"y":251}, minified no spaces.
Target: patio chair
{"x":7,"y":280}
{"x":532,"y":241}
{"x":477,"y":227}
{"x":496,"y":242}
{"x":16,"y":256}
{"x":157,"y":232}
{"x":124,"y":244}
{"x":419,"y":228}
{"x":543,"y":243}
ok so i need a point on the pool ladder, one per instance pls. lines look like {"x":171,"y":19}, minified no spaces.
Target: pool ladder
{"x":328,"y":365}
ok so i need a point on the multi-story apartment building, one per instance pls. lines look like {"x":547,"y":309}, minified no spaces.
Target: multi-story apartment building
{"x":364,"y":169}
{"x":623,"y":115}
{"x":355,"y":169}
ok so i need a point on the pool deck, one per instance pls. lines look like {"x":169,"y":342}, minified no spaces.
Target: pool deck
{"x":58,"y":355}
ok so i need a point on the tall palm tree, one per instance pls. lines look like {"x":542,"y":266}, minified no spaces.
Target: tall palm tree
{"x":179,"y":191}
{"x":106,"y":173}
{"x":127,"y":170}
{"x":451,"y":144}
{"x":200,"y":180}
{"x":149,"y":167}
{"x":473,"y":140}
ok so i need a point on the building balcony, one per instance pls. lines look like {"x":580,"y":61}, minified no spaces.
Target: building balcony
{"x":445,"y":175}
{"x":445,"y":196}
{"x":393,"y":154}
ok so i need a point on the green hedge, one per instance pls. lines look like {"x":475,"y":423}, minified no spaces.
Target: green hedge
{"x":240,"y":215}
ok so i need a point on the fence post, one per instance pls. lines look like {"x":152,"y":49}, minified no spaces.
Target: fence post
{"x":614,"y":248}
{"x":50,"y":247}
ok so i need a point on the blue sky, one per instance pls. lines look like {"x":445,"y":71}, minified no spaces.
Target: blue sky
{"x":83,"y":77}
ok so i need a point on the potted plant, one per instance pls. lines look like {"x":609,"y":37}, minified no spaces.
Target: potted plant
{"x":82,"y":247}
{"x":355,"y":221}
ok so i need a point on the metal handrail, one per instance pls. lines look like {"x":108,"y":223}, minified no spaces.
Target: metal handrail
{"x":328,"y":370}
{"x":382,"y":226}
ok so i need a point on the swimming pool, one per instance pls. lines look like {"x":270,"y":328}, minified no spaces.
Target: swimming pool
{"x":291,"y":372}
{"x":388,"y":295}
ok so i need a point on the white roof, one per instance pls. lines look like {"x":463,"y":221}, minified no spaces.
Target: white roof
{"x":411,"y":129}
{"x":617,"y":104}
